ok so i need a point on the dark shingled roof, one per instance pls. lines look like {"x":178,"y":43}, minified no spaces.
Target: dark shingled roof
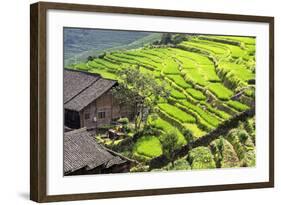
{"x":81,"y":88}
{"x":81,"y":150}
{"x":74,"y":82}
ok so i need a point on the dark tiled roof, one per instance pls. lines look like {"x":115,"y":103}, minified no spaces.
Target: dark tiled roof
{"x":114,"y":161}
{"x":90,"y":94}
{"x":81,"y":150}
{"x":74,"y":82}
{"x":80,"y":89}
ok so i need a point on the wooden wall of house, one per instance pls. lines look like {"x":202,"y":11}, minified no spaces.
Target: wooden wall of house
{"x":87,"y":116}
{"x":104,"y":105}
{"x":103,"y":111}
{"x":115,"y":109}
{"x":100,"y":112}
{"x":127,"y":111}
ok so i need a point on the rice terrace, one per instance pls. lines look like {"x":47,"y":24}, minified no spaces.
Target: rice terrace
{"x":142,"y":101}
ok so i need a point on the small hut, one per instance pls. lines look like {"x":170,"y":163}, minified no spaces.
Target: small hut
{"x":88,"y":101}
{"x":84,"y":155}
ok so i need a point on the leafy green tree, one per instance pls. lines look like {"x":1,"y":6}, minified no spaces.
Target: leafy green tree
{"x":178,"y":38}
{"x":90,"y":58}
{"x":102,"y":55}
{"x":140,"y":91}
{"x":166,"y":38}
{"x":219,"y":151}
{"x":169,"y":143}
{"x":188,"y":135}
{"x":243,"y":136}
{"x":123,"y":121}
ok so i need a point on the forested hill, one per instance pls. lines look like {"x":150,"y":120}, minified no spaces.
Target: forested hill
{"x":81,"y":43}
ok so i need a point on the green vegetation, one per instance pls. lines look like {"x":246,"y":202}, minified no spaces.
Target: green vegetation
{"x":166,"y":127}
{"x":237,"y":105}
{"x":104,"y":74}
{"x":247,"y":40}
{"x":213,"y":121}
{"x":243,"y":145}
{"x":169,"y":142}
{"x":148,"y":146}
{"x":184,"y":86}
{"x":180,"y":164}
{"x":236,"y":74}
{"x":139,"y":90}
{"x":179,"y":80}
{"x":210,"y":48}
{"x":195,"y":77}
{"x":197,"y":94}
{"x":201,"y":158}
{"x":196,"y":132}
{"x":177,"y":94}
{"x":170,"y":67}
{"x":223,"y":115}
{"x":224,"y":154}
{"x":220,"y":91}
{"x":177,"y":113}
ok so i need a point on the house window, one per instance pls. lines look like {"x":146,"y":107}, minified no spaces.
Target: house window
{"x":101,"y":115}
{"x":87,"y":116}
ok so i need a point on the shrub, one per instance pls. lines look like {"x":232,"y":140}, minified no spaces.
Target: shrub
{"x":123,"y":121}
{"x":140,"y":168}
{"x":241,"y":142}
{"x":166,"y":126}
{"x":188,"y":135}
{"x":201,"y":158}
{"x":180,"y":164}
{"x":224,"y":154}
{"x":169,"y":144}
{"x":101,"y":55}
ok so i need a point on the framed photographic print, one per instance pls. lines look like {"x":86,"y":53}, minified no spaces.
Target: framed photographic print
{"x":135,"y":102}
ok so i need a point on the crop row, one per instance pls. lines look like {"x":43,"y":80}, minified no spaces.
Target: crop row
{"x":177,"y":113}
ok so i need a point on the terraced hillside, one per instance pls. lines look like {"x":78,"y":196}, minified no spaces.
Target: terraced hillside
{"x":210,"y":79}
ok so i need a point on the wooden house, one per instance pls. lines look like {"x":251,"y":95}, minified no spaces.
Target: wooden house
{"x":83,"y":155}
{"x":88,"y":101}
